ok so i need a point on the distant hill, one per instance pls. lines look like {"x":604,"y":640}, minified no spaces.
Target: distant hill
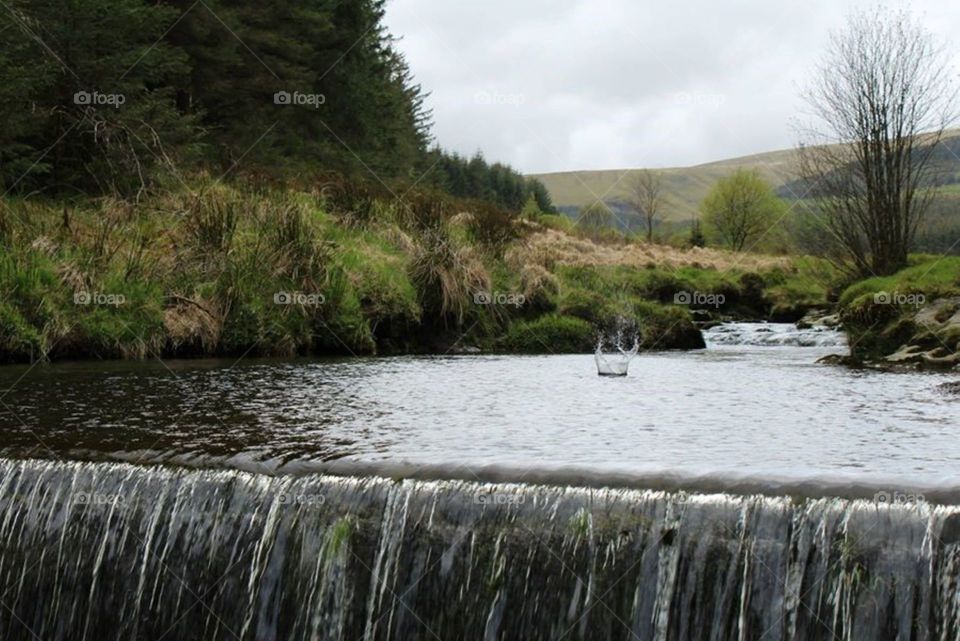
{"x":687,"y":186}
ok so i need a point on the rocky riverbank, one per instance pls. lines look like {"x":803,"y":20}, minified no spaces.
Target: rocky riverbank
{"x":910,"y":320}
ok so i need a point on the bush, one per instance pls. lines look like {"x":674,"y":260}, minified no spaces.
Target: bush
{"x":666,"y":327}
{"x":588,"y":305}
{"x":491,"y":226}
{"x":551,"y":334}
{"x":19,"y":341}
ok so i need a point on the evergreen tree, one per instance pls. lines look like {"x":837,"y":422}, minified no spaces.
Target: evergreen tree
{"x":697,"y":239}
{"x":95,"y":84}
{"x":274,"y":86}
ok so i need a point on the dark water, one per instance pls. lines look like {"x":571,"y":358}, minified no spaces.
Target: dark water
{"x":733,"y":409}
{"x":106,"y":551}
{"x":597,"y":542}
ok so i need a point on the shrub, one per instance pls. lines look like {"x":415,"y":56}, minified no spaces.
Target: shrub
{"x":666,"y":327}
{"x":550,"y":334}
{"x":447,"y":275}
{"x":491,"y":226}
{"x":586,"y":304}
{"x":19,"y":341}
{"x":212,"y":219}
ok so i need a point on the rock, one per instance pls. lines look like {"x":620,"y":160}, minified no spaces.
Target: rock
{"x":818,"y":318}
{"x":833,"y":320}
{"x":941,"y":359}
{"x":952,"y":387}
{"x":942,"y":314}
{"x":466,"y":349}
{"x":840,"y":359}
{"x":906,"y":354}
{"x":927,"y":336}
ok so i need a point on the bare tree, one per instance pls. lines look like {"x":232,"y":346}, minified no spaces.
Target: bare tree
{"x":645,"y":196}
{"x":883,"y":98}
{"x":594,"y":218}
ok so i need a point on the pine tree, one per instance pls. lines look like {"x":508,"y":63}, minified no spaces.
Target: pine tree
{"x":97,"y":88}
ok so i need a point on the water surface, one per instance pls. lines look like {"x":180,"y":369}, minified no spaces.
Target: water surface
{"x":754,"y":403}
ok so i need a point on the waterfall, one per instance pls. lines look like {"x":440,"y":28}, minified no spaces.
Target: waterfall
{"x":773,"y":335}
{"x":105,"y":551}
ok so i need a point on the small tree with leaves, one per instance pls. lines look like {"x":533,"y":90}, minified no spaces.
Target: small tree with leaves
{"x":741,"y":208}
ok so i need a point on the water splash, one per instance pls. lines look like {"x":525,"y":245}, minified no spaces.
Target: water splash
{"x":612,"y":355}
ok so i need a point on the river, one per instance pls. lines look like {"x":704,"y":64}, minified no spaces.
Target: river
{"x":738,"y":492}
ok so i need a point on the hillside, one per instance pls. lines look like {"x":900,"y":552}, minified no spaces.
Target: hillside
{"x":687,"y":186}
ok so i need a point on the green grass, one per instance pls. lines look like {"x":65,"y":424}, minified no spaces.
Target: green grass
{"x":932,"y":276}
{"x":877,"y":328}
{"x":551,"y":334}
{"x":199,"y":273}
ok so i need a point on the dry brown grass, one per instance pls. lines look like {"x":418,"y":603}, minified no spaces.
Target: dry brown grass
{"x":551,"y":247}
{"x":193,"y":323}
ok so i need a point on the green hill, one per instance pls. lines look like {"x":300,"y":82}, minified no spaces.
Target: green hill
{"x":685,"y":187}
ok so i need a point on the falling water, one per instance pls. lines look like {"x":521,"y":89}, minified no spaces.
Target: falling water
{"x":773,"y":335}
{"x":114,"y":551}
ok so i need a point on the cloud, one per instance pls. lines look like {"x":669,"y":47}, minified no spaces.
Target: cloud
{"x":570,"y":84}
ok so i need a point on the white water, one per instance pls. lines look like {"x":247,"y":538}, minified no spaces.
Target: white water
{"x":615,"y":359}
{"x":773,"y":335}
{"x":106,"y":552}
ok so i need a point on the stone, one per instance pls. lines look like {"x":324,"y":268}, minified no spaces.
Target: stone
{"x":906,"y":354}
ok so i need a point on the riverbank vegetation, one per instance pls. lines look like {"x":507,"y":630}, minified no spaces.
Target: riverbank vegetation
{"x":334,"y":267}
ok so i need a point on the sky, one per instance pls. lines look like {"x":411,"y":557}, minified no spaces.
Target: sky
{"x":563,"y":85}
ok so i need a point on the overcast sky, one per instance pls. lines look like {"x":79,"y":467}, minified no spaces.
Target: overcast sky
{"x":555,"y":85}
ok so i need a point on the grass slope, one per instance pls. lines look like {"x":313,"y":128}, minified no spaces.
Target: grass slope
{"x":687,"y":186}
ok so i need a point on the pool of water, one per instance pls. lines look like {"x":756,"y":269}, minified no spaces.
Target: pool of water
{"x":754,"y":403}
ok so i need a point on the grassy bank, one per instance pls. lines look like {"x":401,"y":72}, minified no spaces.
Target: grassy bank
{"x":916,"y":308}
{"x":334,"y":268}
